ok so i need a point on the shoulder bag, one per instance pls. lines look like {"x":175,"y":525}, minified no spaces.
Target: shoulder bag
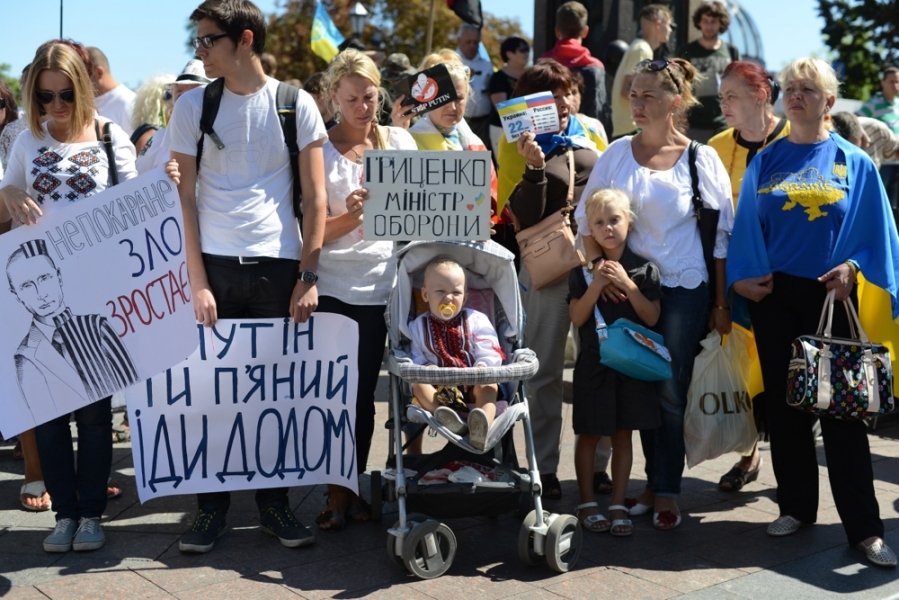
{"x":706,"y":218}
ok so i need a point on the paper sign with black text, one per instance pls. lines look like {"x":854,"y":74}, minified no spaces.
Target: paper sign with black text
{"x":425,"y":91}
{"x":262,"y":403}
{"x":427,"y":195}
{"x":535,"y":112}
{"x":97,"y":299}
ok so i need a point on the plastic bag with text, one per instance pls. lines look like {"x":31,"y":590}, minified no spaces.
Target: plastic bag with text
{"x":719,"y":415}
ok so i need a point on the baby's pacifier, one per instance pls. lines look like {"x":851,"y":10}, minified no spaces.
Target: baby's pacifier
{"x":446,"y":310}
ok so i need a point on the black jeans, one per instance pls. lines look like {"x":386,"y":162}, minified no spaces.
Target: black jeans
{"x":372,"y":336}
{"x":791,"y":310}
{"x":258,"y":291}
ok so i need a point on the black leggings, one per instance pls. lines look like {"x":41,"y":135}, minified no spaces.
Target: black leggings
{"x":372,"y":336}
{"x":791,"y":310}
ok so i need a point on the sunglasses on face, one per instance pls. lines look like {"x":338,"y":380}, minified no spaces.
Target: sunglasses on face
{"x":659,"y":64}
{"x":207,"y":41}
{"x":47,"y":97}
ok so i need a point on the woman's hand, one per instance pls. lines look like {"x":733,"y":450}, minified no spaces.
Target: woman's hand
{"x":171,"y":170}
{"x":615,"y":273}
{"x":611,"y":293}
{"x":530,"y":150}
{"x":720,"y":320}
{"x":22,"y":209}
{"x":755,"y":288}
{"x":840,"y":278}
{"x":354,"y":203}
{"x":400,"y":115}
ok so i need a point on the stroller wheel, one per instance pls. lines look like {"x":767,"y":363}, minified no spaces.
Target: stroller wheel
{"x":395,"y":544}
{"x":429,"y":549}
{"x":563,"y":543}
{"x":526,"y":540}
{"x":376,"y":495}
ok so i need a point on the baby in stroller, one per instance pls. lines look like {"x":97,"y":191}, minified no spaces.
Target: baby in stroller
{"x":448,"y":335}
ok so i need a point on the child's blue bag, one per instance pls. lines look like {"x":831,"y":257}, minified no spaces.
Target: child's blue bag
{"x":631,"y":349}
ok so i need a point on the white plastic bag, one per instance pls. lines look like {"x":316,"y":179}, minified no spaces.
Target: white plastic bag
{"x":719,"y":415}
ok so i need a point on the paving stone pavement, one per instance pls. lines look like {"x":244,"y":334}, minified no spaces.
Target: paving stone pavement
{"x":720,"y":551}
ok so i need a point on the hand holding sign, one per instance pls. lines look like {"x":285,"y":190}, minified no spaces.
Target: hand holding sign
{"x":530,"y":150}
{"x":536,"y":113}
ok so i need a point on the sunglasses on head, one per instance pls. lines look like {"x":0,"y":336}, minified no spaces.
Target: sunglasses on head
{"x":659,"y":64}
{"x":46,"y":97}
{"x":207,"y":41}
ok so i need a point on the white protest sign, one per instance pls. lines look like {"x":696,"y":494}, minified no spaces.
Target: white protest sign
{"x":427,"y":195}
{"x":536,"y":112}
{"x":97,"y":299}
{"x":262,"y":403}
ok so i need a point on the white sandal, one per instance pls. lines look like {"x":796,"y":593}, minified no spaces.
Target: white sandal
{"x":878,"y":553}
{"x":36,"y":489}
{"x":620,"y":522}
{"x":783,"y":525}
{"x":589,"y":522}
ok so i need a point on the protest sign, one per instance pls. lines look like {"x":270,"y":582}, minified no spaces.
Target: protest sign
{"x":427,"y":195}
{"x":262,"y":403}
{"x":98,"y":299}
{"x":425,"y":91}
{"x":535,"y":112}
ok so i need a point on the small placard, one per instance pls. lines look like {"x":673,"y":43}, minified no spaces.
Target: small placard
{"x":427,"y":195}
{"x":425,"y":91}
{"x":536,"y":112}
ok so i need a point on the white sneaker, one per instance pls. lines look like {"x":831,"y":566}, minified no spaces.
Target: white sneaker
{"x":478,"y":427}
{"x":450,"y":419}
{"x":89,"y":535}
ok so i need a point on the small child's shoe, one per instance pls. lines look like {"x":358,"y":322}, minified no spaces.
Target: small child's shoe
{"x":478,"y":427}
{"x":450,"y":419}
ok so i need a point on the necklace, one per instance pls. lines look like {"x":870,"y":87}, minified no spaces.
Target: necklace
{"x":772,"y":125}
{"x":364,"y":144}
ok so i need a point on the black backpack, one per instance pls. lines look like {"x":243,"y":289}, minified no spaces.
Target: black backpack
{"x":286,"y":101}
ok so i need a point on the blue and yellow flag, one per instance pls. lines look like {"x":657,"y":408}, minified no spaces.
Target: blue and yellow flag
{"x":325,"y":35}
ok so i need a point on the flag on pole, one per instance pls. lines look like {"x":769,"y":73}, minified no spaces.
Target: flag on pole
{"x":325,"y":35}
{"x":467,"y":10}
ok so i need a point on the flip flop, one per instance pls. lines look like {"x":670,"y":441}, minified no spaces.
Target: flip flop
{"x":35,"y":489}
{"x":635,"y":508}
{"x":590,"y":522}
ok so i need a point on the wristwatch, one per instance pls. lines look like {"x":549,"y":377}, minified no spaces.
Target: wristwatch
{"x":307,"y":277}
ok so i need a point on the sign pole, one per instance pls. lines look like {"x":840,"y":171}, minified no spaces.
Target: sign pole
{"x":430,"y":27}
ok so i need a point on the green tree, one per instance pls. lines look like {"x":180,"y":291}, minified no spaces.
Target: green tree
{"x":864,"y":35}
{"x":11,"y":81}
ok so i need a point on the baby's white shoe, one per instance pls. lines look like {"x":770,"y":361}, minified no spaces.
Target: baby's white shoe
{"x":450,"y":419}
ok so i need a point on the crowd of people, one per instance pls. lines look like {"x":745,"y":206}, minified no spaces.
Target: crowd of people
{"x":623,"y":165}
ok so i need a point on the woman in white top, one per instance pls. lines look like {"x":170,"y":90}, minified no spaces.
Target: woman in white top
{"x":652,"y":166}
{"x":355,"y":276}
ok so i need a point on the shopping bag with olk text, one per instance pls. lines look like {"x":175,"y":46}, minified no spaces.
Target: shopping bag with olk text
{"x":719,"y":415}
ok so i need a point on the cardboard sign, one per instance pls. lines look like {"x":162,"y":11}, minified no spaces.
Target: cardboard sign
{"x":427,"y":90}
{"x":98,"y":300}
{"x":536,"y":112}
{"x":427,"y":195}
{"x":262,"y":403}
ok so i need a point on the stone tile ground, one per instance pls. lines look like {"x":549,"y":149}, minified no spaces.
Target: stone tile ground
{"x":719,"y":552}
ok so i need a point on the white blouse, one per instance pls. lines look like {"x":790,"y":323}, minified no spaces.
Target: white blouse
{"x":351,"y":269}
{"x":666,"y":232}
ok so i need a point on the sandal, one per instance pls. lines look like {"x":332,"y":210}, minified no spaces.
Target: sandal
{"x":359,"y":510}
{"x":627,"y":524}
{"x":591,"y":522}
{"x":113,"y":489}
{"x":36,"y":490}
{"x":334,"y":519}
{"x":736,"y":478}
{"x":665,"y":520}
{"x":552,"y":488}
{"x":636,"y":508}
{"x":602,"y":483}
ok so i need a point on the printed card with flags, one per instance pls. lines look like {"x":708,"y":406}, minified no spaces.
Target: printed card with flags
{"x":536,"y":112}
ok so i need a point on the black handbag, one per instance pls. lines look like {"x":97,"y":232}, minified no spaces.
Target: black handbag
{"x":707,"y":219}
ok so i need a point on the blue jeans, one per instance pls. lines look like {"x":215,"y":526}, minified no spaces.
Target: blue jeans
{"x":683,"y":323}
{"x":77,"y":490}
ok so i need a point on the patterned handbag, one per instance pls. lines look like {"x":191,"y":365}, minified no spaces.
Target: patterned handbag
{"x":839,"y":378}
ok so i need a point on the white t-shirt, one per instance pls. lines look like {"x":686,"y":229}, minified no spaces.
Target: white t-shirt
{"x":155,"y":153}
{"x":351,"y":269}
{"x":479,"y":104}
{"x":117,"y":105}
{"x":244,"y":199}
{"x":56,"y":173}
{"x":666,"y":232}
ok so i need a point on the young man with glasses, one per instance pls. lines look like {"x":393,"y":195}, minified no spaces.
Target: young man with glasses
{"x":655,"y":25}
{"x":245,"y":253}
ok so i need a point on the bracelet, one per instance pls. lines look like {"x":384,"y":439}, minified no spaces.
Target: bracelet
{"x":853,"y":267}
{"x":533,"y":168}
{"x":719,"y":307}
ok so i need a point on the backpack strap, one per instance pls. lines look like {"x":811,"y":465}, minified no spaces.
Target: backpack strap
{"x":212,"y":98}
{"x":106,"y":138}
{"x":694,"y":176}
{"x":286,"y":100}
{"x":734,"y":54}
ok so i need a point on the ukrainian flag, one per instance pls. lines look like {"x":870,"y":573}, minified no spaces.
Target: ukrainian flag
{"x":325,"y":35}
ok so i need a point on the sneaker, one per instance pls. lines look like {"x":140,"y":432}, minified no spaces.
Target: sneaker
{"x":451,"y":420}
{"x":61,"y":538}
{"x":89,"y":535}
{"x":478,"y":427}
{"x":279,"y":521}
{"x":208,"y":526}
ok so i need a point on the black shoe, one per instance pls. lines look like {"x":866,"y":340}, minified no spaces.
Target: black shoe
{"x":602,"y":483}
{"x":279,"y":521}
{"x":208,"y":526}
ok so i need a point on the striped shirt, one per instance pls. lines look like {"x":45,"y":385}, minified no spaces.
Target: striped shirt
{"x":89,"y":343}
{"x":883,"y":144}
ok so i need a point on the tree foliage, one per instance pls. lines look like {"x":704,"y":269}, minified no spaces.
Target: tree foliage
{"x":864,"y":35}
{"x":401,"y":24}
{"x":11,"y":81}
